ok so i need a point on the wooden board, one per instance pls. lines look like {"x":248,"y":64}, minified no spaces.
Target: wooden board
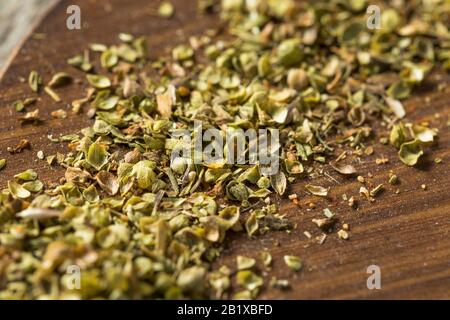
{"x":406,"y":235}
{"x":16,"y":20}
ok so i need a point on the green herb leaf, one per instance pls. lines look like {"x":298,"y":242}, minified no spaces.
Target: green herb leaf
{"x":251,"y":224}
{"x":28,"y":175}
{"x":249,"y":280}
{"x":279,"y":182}
{"x":245,"y":262}
{"x":34,"y":81}
{"x":109,"y":59}
{"x":17,"y":191}
{"x":97,"y":156}
{"x":166,"y":9}
{"x":293,"y":262}
{"x":98,"y":81}
{"x":317,"y":190}
{"x":410,"y":152}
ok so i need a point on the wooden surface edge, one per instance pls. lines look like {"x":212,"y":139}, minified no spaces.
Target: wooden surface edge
{"x":24,"y":39}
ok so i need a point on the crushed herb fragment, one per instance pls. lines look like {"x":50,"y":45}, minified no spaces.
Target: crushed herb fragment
{"x":293,"y":262}
{"x":34,"y":81}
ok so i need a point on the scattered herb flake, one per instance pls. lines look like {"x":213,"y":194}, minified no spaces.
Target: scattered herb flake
{"x":293,"y":262}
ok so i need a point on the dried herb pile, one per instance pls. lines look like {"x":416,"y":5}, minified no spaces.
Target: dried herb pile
{"x":139,"y":226}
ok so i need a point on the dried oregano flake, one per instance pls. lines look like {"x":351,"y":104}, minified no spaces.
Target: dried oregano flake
{"x":139,"y":225}
{"x":293,"y":262}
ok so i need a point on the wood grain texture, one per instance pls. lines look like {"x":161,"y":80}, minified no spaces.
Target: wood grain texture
{"x":407,"y":234}
{"x":17,"y":18}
